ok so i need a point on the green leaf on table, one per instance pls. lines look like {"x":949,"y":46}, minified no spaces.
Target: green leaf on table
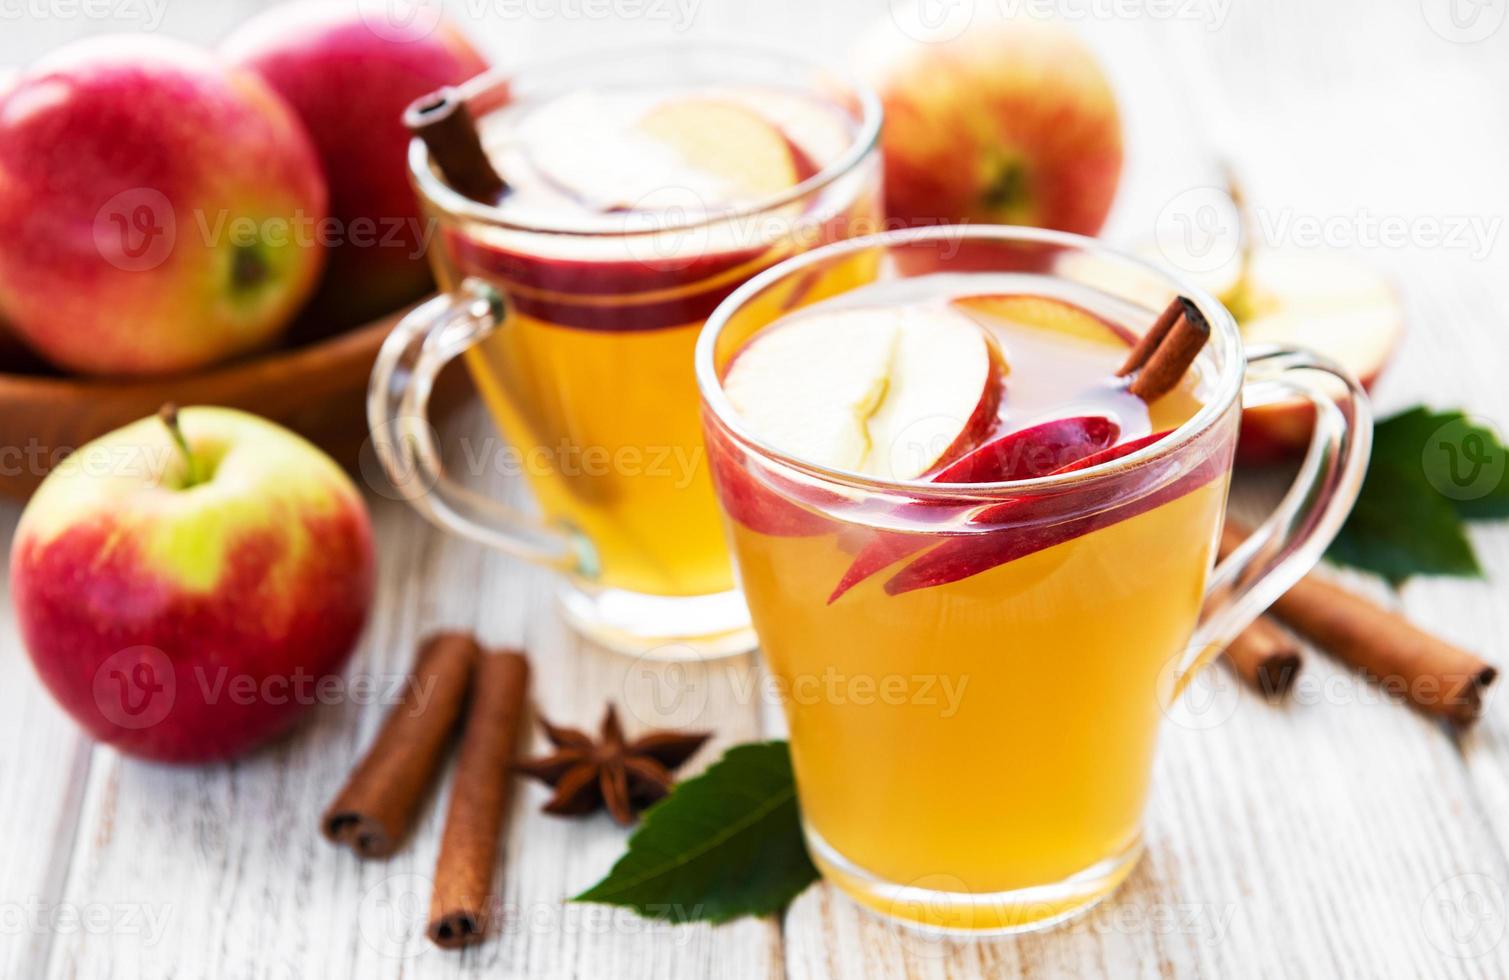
{"x":723,"y":844}
{"x":1429,"y":472}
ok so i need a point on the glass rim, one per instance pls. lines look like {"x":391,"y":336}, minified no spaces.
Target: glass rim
{"x":865,"y":141}
{"x":1227,"y":385}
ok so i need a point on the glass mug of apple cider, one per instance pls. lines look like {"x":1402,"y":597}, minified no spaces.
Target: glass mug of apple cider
{"x":641,"y":189}
{"x":976,"y":534}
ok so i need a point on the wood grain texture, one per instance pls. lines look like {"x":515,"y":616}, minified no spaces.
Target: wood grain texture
{"x":1333,"y":835}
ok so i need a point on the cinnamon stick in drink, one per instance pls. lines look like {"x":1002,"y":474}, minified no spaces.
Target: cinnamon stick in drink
{"x":1266,"y":657}
{"x":1173,"y":354}
{"x":445,"y":124}
{"x":462,"y":897}
{"x":1150,"y":341}
{"x":375,"y":810}
{"x":1440,"y":678}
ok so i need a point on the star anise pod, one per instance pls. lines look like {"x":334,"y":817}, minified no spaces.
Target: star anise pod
{"x":625,"y":777}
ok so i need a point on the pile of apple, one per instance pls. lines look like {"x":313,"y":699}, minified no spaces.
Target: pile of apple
{"x":164,"y":208}
{"x":189,"y":586}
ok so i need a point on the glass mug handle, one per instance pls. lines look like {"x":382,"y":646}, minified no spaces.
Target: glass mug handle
{"x":1289,"y":543}
{"x":398,"y":396}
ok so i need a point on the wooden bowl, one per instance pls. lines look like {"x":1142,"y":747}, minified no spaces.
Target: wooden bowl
{"x":317,"y":389}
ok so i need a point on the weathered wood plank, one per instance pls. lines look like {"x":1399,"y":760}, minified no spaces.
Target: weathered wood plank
{"x":44,"y":766}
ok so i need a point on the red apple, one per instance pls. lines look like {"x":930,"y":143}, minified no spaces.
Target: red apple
{"x":349,"y":74}
{"x":187,"y":598}
{"x":1011,"y":122}
{"x":156,"y":209}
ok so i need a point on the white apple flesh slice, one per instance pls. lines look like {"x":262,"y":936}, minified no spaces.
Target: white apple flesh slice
{"x":891,"y":392}
{"x":612,"y":153}
{"x":1046,"y":313}
{"x":1322,"y":301}
{"x":728,"y":141}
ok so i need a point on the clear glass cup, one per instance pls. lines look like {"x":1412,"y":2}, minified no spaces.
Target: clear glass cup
{"x":580,"y":342}
{"x":973,"y":745}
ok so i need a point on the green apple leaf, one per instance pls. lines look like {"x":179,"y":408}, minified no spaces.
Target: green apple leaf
{"x":1429,"y":472}
{"x":723,"y":844}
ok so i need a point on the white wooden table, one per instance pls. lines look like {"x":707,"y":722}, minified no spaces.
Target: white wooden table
{"x":1334,"y":835}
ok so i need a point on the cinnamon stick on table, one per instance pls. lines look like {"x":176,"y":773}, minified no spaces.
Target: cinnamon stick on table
{"x":375,"y":810}
{"x":1266,"y":657}
{"x":462,"y":896}
{"x":1438,"y":677}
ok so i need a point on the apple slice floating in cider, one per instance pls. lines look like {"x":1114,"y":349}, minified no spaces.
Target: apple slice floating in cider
{"x":1040,"y":450}
{"x":891,"y":393}
{"x":962,"y":556}
{"x":1046,"y":313}
{"x":682,"y":154}
{"x":728,"y":141}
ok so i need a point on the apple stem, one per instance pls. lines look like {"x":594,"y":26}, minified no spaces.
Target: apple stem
{"x":169,"y":416}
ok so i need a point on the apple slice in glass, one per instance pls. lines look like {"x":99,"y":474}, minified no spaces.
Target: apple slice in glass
{"x":610,"y":154}
{"x":892,"y":393}
{"x":962,"y":556}
{"x":1045,"y":313}
{"x":1040,"y":450}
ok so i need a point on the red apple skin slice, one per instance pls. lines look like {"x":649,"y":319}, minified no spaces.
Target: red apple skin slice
{"x":962,"y":556}
{"x":1020,"y":455}
{"x":1039,"y":450}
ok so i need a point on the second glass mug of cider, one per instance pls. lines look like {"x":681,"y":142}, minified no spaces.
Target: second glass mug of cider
{"x":974,"y":673}
{"x":642,"y":188}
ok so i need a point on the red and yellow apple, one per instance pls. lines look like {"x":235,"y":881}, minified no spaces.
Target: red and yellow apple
{"x":349,"y":74}
{"x":1012,"y":122}
{"x":156,"y":209}
{"x":186,"y":591}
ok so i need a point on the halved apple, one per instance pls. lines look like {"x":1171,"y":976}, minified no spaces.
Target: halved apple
{"x":890,"y":392}
{"x":1323,"y":301}
{"x":1046,"y":313}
